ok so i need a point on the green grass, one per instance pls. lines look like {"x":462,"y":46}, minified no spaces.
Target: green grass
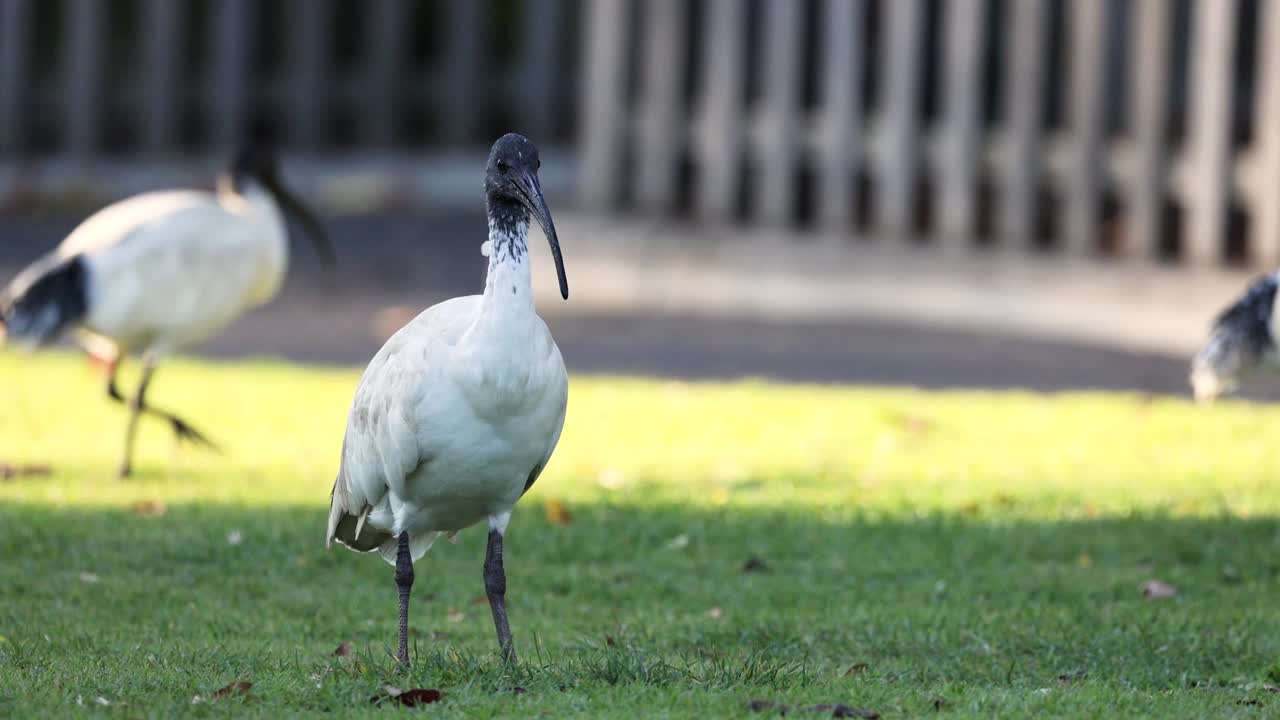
{"x":981,"y":553}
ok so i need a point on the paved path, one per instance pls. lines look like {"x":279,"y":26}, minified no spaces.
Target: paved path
{"x":392,"y":266}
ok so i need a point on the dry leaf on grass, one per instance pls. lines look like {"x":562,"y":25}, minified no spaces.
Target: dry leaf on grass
{"x":149,"y":508}
{"x":838,"y":710}
{"x":1071,"y":678}
{"x":11,"y":472}
{"x":856,"y":669}
{"x":557,"y":513}
{"x":346,"y":648}
{"x":1157,"y":590}
{"x":408,"y":698}
{"x":236,"y":688}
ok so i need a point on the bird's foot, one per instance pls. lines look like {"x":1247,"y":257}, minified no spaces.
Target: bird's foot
{"x":509,"y":655}
{"x":187,"y":434}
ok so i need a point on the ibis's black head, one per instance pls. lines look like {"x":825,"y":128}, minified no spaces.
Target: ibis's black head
{"x":514,"y":193}
{"x":257,"y":164}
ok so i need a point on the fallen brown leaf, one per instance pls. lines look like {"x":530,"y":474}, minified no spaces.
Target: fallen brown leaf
{"x":408,"y":698}
{"x":914,"y":425}
{"x":856,"y":669}
{"x":11,"y":472}
{"x":755,"y":564}
{"x":235,"y":688}
{"x":1071,"y":678}
{"x":764,"y":705}
{"x":1157,"y":590}
{"x":840,"y":710}
{"x":149,"y":508}
{"x":557,"y":513}
{"x":346,"y":648}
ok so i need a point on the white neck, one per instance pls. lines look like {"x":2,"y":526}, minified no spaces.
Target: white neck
{"x":256,"y":204}
{"x":509,"y":284}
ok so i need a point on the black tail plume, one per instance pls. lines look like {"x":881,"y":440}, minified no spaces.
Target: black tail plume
{"x":44,"y":299}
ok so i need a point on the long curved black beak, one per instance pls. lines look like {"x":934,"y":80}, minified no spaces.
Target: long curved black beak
{"x":293,"y":206}
{"x":532,"y":191}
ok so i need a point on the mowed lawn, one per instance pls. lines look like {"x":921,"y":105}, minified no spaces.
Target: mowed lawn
{"x":690,"y":549}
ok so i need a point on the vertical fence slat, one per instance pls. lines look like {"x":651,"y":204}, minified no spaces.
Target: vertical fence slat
{"x":309,"y":47}
{"x":1266,"y":178}
{"x":1024,"y":63}
{"x":781,"y":95}
{"x":465,"y":70}
{"x":540,"y":58}
{"x":83,"y":66}
{"x":900,"y":75}
{"x":965,"y":21}
{"x":1209,"y":189}
{"x":718,"y":143}
{"x":1149,"y":83}
{"x":841,"y":110}
{"x":659,"y":139}
{"x":161,"y":29}
{"x":383,"y":44}
{"x":231,"y":42}
{"x":14,"y":16}
{"x":1088,"y":37}
{"x":603,"y":102}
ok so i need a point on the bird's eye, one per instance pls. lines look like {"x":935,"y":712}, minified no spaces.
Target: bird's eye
{"x":502,"y":166}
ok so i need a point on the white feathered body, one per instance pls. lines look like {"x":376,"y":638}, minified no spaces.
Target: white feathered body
{"x":167,"y":270}
{"x":452,"y":421}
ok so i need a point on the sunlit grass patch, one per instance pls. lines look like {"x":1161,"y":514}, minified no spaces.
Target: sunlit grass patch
{"x":690,"y":548}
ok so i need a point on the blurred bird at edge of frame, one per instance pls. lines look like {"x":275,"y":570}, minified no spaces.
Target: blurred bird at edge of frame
{"x":1243,"y":340}
{"x":159,"y":272}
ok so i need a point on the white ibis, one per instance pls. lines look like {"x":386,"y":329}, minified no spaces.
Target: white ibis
{"x":460,"y":411}
{"x":159,"y":272}
{"x":1243,"y":339}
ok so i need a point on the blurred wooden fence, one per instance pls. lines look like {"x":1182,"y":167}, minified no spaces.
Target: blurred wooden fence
{"x":1120,"y":128}
{"x":86,"y":78}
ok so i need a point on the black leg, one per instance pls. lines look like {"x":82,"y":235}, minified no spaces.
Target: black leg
{"x":404,"y":583}
{"x":138,"y":406}
{"x":495,"y":586}
{"x":135,"y":409}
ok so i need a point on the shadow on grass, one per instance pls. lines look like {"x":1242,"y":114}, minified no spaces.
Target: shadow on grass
{"x":178,"y":603}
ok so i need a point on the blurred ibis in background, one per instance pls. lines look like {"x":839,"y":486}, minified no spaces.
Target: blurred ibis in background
{"x":1243,"y":339}
{"x":460,"y":411}
{"x":159,"y":272}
